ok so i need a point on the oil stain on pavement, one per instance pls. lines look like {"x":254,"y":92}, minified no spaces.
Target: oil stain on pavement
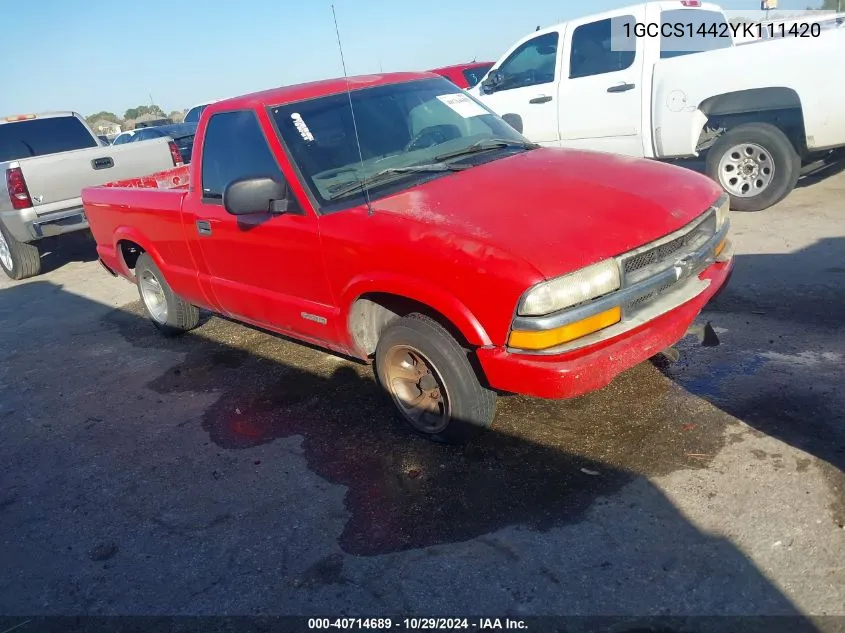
{"x":543,"y":465}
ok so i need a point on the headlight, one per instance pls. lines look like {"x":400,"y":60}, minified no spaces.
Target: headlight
{"x":572,"y":289}
{"x":723,"y":209}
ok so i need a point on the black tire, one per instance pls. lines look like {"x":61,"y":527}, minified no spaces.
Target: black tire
{"x":470,"y":407}
{"x":26,"y":259}
{"x":786,"y":164}
{"x":180,"y":316}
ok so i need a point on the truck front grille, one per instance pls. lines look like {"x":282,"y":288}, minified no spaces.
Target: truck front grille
{"x":662,"y":255}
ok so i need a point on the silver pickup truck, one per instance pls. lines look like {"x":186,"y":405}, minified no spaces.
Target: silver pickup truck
{"x":45,"y":162}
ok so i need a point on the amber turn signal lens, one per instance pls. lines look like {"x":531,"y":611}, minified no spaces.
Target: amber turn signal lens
{"x":544,"y":339}
{"x":720,"y":247}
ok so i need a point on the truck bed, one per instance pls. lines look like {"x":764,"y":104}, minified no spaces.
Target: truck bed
{"x":682,"y":83}
{"x":55,"y":180}
{"x":154,"y":202}
{"x":176,"y":178}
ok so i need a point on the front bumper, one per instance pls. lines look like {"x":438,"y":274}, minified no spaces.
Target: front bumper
{"x":589,"y":368}
{"x":26,"y":225}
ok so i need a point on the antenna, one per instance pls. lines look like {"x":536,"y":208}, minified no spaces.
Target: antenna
{"x":352,"y":110}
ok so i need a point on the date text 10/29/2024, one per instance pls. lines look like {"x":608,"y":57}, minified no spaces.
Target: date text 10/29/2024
{"x":415,"y":624}
{"x":679,"y":30}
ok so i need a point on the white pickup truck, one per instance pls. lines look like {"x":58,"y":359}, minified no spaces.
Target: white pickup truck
{"x":755,"y":113}
{"x":45,"y":162}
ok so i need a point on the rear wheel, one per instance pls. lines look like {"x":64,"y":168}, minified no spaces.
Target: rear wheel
{"x":170,"y":314}
{"x":756,"y":164}
{"x":19,"y":260}
{"x":431,"y":381}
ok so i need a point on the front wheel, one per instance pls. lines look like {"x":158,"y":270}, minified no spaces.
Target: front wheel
{"x":170,"y":314}
{"x":756,"y":164}
{"x":431,"y":381}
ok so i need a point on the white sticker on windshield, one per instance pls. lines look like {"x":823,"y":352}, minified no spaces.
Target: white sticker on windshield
{"x":463,"y":105}
{"x":301,"y":127}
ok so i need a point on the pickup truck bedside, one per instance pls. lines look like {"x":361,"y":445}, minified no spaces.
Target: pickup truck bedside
{"x":584,"y":370}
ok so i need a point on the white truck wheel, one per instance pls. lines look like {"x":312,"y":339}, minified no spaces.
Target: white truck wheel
{"x":756,"y":164}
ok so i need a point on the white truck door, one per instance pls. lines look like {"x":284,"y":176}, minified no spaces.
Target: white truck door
{"x":600,"y":97}
{"x":527,"y":87}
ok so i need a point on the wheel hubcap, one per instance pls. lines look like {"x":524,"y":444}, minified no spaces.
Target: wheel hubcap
{"x":153,"y":295}
{"x":5,"y":252}
{"x":417,"y":389}
{"x":746,"y":170}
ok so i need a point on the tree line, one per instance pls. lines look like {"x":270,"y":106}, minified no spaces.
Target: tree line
{"x":131,"y":113}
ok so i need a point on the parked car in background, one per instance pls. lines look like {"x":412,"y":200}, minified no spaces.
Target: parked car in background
{"x":153,"y":123}
{"x":45,"y":161}
{"x":181,"y":133}
{"x":427,"y":236}
{"x":592,"y":83}
{"x":465,"y":75}
{"x":123,"y":137}
{"x":193,"y":115}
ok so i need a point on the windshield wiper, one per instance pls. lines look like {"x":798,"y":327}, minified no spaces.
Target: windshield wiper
{"x":386,"y":175}
{"x":486,"y":145}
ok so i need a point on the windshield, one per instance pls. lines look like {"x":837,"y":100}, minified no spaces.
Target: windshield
{"x":693,"y":31}
{"x":40,"y":137}
{"x":399,"y":126}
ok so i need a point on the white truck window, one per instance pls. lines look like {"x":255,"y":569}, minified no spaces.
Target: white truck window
{"x":687,"y":31}
{"x":596,"y":48}
{"x":531,"y":64}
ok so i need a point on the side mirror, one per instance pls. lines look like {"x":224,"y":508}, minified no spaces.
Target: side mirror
{"x":514,"y":120}
{"x":493,"y":80}
{"x":256,"y":195}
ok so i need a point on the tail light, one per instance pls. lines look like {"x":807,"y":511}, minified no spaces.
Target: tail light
{"x":691,"y":3}
{"x":175,"y":154}
{"x":18,"y":192}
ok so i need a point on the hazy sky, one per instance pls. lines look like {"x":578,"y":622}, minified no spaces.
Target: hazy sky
{"x":91,"y":55}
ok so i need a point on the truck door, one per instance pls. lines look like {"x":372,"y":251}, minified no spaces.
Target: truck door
{"x":263,"y":268}
{"x":600,"y":98}
{"x":527,"y":88}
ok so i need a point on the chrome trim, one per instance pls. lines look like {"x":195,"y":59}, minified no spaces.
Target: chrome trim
{"x":684,"y":268}
{"x":678,"y":295}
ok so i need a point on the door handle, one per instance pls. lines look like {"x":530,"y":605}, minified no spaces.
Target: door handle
{"x":103,"y":163}
{"x":541,"y":99}
{"x":203,"y":227}
{"x":622,"y":87}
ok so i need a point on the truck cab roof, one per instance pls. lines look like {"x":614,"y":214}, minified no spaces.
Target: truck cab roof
{"x":301,"y":92}
{"x":15,"y":118}
{"x":662,"y":5}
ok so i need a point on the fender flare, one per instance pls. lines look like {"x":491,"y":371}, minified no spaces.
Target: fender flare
{"x":417,"y":290}
{"x":133,"y":235}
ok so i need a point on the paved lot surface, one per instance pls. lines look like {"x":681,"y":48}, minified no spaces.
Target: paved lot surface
{"x":231,"y":471}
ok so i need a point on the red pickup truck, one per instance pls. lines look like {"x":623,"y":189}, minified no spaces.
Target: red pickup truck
{"x":396,"y":220}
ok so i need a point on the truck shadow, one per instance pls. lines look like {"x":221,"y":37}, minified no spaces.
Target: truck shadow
{"x":574,"y":476}
{"x":57,"y":252}
{"x":779,"y":368}
{"x":811,"y":174}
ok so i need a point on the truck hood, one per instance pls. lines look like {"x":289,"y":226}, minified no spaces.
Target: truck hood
{"x":558,"y":209}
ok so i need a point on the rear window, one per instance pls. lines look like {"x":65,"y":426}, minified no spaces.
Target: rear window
{"x":693,"y":31}
{"x":194,"y":113}
{"x":40,"y":137}
{"x":475,"y":74}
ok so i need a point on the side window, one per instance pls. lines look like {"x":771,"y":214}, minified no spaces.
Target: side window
{"x":602,"y":47}
{"x":234,"y":148}
{"x":531,"y":64}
